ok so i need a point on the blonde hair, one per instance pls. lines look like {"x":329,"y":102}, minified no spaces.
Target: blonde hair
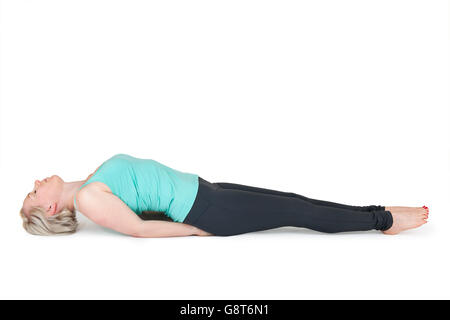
{"x":37,"y":223}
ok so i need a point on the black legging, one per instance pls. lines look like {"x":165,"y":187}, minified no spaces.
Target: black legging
{"x":225,"y":209}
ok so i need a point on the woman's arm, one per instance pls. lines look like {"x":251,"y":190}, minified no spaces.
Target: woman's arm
{"x":107,"y":210}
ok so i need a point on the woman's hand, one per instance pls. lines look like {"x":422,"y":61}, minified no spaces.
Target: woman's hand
{"x":200,"y":232}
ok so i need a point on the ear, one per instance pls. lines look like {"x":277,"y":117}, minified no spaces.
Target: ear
{"x":51,"y":210}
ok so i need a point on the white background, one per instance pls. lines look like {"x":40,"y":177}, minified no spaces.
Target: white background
{"x":346,"y":101}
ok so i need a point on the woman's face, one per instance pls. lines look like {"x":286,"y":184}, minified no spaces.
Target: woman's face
{"x":46,"y":193}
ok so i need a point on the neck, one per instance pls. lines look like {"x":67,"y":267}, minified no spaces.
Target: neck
{"x":68,"y":194}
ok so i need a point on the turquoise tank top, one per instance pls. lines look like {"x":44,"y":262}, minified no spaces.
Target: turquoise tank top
{"x":147,"y":185}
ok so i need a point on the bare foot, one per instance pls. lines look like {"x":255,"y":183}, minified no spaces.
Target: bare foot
{"x":407,"y":218}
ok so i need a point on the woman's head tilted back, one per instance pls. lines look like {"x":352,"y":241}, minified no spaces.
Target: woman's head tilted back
{"x":42,"y":211}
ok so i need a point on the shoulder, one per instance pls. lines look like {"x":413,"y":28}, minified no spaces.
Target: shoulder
{"x":88,"y":196}
{"x":94,"y":186}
